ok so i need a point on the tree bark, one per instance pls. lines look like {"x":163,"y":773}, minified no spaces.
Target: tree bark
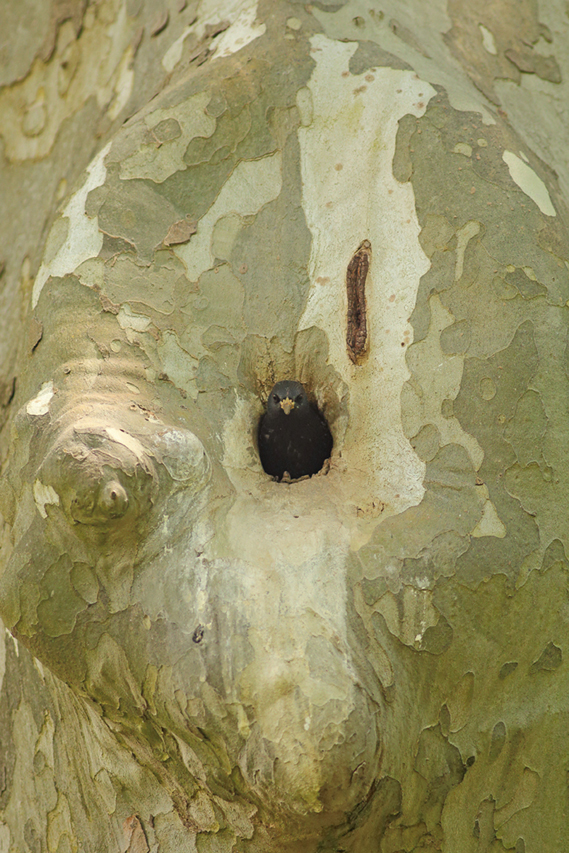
{"x":199,"y":200}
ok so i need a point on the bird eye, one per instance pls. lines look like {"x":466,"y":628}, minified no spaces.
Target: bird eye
{"x":276,"y":398}
{"x":298,"y":399}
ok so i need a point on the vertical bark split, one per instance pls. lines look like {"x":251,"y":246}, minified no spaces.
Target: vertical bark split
{"x":357,"y":334}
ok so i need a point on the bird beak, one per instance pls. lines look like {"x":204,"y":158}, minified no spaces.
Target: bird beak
{"x":287,"y":405}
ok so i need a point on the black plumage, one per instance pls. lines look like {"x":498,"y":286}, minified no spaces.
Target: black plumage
{"x":293,"y":435}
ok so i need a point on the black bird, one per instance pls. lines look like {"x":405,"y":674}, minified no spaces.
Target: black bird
{"x":293,"y":435}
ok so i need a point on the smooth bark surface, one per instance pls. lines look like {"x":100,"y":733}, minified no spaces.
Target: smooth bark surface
{"x":198,"y":200}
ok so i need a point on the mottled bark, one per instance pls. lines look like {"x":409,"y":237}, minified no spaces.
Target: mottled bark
{"x":200,"y":199}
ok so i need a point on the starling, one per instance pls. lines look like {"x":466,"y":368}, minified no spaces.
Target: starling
{"x":293,"y":435}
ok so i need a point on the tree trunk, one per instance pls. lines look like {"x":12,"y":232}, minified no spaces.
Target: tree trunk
{"x":200,"y":199}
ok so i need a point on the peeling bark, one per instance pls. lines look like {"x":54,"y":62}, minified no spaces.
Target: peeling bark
{"x":197,"y":658}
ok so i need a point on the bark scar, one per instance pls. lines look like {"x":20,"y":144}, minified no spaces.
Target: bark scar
{"x":356,"y":335}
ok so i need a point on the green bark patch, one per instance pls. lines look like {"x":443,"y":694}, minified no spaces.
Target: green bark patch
{"x":423,"y":533}
{"x":427,"y":442}
{"x":135,"y":212}
{"x":439,"y":763}
{"x":478,"y":230}
{"x":510,"y":372}
{"x":497,"y":742}
{"x":58,"y":611}
{"x":437,"y":638}
{"x":276,"y":308}
{"x":479,"y":187}
{"x":527,"y":287}
{"x":370,"y":55}
{"x":526,"y":430}
{"x":456,"y":338}
{"x":549,"y":660}
{"x":497,"y":42}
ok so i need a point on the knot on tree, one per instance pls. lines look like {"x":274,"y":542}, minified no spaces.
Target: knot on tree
{"x":103,"y":476}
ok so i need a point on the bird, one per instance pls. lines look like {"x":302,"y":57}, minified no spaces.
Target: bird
{"x":293,"y":435}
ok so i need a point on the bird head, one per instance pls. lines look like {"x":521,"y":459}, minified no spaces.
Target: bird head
{"x":287,"y":396}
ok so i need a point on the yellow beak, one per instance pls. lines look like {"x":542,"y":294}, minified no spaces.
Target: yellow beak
{"x":287,"y":405}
